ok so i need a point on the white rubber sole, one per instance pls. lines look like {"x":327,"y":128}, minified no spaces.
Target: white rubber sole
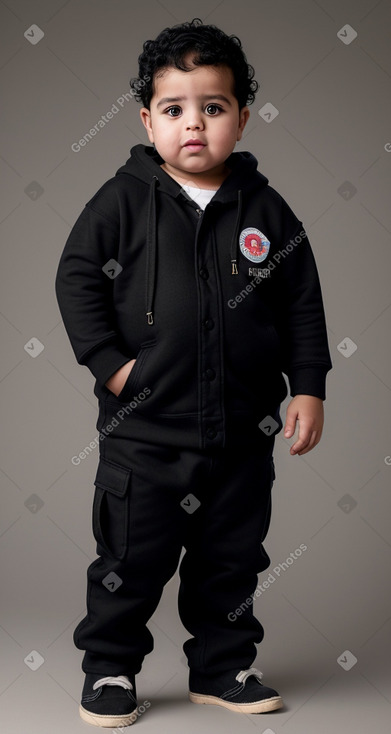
{"x":107,"y":720}
{"x":258,"y":707}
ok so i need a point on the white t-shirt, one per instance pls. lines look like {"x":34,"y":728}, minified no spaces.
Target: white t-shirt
{"x":202,"y":197}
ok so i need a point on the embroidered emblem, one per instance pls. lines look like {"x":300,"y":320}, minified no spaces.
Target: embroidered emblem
{"x":254,"y":245}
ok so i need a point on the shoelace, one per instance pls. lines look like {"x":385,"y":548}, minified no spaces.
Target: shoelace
{"x":111,"y":680}
{"x":244,"y":674}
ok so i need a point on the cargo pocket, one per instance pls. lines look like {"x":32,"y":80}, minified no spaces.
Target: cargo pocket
{"x":110,"y":513}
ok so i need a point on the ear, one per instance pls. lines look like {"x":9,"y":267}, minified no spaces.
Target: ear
{"x":145,"y":115}
{"x":244,"y":114}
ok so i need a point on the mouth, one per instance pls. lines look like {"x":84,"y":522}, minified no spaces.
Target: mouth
{"x":194,"y":145}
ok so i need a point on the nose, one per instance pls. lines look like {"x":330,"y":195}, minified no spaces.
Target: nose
{"x":195,"y":125}
{"x":194,"y":121}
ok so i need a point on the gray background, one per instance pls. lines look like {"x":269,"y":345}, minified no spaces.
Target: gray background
{"x":328,"y":153}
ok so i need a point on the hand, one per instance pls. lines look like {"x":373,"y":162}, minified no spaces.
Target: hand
{"x":308,"y":410}
{"x":116,"y":382}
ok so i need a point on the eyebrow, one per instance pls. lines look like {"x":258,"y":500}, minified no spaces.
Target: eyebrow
{"x":169,"y":100}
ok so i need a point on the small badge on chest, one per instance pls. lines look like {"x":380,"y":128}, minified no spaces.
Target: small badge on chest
{"x":254,"y":244}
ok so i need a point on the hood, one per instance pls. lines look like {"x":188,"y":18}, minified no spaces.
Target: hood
{"x":144,"y":164}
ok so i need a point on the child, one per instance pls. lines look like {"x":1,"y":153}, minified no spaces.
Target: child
{"x":187,"y":329}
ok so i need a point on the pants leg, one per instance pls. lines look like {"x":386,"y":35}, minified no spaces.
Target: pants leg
{"x":140,"y":528}
{"x":224,"y":554}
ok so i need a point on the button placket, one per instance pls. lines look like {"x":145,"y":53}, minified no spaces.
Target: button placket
{"x":210,"y":358}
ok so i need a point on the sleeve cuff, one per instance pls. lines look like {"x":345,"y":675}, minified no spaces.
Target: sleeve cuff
{"x":308,"y":381}
{"x":104,"y":361}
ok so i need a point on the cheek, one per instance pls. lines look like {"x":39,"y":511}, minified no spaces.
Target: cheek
{"x":229,"y":136}
{"x":164,"y":130}
{"x":228,"y":130}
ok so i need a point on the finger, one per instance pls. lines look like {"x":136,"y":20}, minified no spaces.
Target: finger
{"x":303,"y":439}
{"x":314,"y":439}
{"x":290,"y":424}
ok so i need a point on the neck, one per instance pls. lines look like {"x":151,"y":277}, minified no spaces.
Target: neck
{"x":207,"y":179}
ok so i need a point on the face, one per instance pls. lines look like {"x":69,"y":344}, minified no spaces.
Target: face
{"x":195,"y":105}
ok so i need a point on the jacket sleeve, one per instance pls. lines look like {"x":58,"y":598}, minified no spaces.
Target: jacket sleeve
{"x":301,"y":318}
{"x":84,"y":293}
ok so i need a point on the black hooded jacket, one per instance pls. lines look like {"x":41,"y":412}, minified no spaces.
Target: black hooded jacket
{"x":214,"y":305}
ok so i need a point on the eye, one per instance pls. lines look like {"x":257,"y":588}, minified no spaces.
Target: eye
{"x":212,"y":109}
{"x":174,"y":109}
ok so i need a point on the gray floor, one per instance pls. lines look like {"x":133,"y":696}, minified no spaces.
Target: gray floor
{"x":319,"y":695}
{"x":338,"y":705}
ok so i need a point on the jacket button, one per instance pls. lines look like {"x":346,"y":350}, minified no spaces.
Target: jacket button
{"x":204,"y":273}
{"x":208,"y":324}
{"x":210,"y":374}
{"x":211,"y":433}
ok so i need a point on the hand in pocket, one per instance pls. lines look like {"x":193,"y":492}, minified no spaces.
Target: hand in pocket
{"x":116,"y":382}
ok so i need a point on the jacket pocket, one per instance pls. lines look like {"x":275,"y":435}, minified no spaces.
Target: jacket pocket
{"x":133,"y":383}
{"x":110,"y":516}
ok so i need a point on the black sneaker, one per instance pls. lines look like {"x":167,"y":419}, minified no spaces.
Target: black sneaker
{"x":243,"y":693}
{"x":109,"y":700}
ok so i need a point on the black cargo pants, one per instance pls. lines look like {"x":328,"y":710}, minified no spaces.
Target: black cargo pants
{"x":150,"y":502}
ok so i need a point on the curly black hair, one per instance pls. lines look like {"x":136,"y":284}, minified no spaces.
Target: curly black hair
{"x":211,"y":46}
